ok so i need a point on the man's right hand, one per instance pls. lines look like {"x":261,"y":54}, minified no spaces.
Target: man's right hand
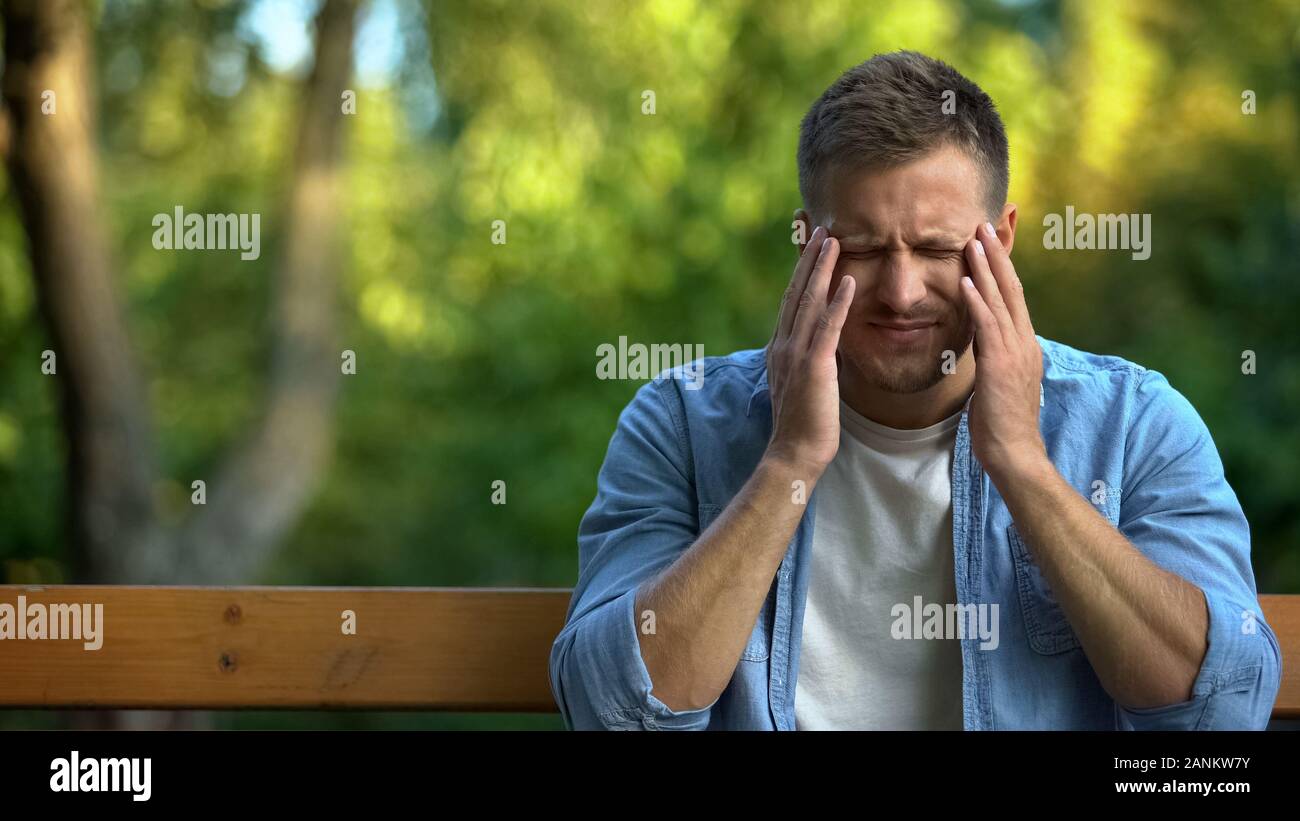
{"x":708,"y":600}
{"x":802,"y":374}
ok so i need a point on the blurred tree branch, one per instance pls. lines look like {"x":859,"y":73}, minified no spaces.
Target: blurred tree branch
{"x":265,"y":482}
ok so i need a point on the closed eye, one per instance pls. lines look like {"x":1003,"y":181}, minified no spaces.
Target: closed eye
{"x":939,"y":253}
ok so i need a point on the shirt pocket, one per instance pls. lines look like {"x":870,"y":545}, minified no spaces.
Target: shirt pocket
{"x":758,"y":648}
{"x":1048,"y":629}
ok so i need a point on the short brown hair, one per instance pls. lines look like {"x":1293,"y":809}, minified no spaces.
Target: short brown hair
{"x":889,"y":110}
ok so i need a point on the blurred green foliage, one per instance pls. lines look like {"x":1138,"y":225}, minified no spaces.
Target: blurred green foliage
{"x":476,"y":361}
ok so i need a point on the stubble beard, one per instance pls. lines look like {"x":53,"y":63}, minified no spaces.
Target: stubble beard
{"x":915,"y":371}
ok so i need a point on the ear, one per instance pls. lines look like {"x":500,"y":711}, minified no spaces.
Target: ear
{"x":801,"y":216}
{"x":1006,"y":226}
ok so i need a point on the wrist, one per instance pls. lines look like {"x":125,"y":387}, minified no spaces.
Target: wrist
{"x":1029,"y":465}
{"x":790,"y":467}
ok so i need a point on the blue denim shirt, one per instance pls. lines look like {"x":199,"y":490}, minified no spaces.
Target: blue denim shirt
{"x":684,"y":448}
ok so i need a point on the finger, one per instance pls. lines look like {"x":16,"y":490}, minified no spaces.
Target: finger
{"x":798,"y":282}
{"x":987,"y":286}
{"x":814,"y":296}
{"x":1004,"y":273}
{"x":988,"y":336}
{"x":827,"y":336}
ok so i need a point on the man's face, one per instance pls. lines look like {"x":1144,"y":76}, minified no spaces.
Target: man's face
{"x":901,"y":232}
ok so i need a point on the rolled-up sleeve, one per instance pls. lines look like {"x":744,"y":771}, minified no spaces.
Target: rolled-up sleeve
{"x":1179,"y":510}
{"x":644,"y":516}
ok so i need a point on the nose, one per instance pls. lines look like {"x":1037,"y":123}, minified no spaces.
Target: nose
{"x":900,"y":286}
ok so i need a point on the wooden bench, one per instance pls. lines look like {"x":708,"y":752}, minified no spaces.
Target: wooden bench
{"x":284,"y":647}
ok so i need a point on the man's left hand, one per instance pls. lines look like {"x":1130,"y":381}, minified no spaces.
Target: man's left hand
{"x":1008,"y":363}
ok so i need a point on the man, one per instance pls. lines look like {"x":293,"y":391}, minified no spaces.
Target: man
{"x":909,"y":511}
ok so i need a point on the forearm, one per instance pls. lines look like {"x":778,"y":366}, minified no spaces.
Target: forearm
{"x":1142,"y":627}
{"x":706,"y":603}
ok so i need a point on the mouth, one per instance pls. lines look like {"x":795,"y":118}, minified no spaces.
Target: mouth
{"x":902,"y":333}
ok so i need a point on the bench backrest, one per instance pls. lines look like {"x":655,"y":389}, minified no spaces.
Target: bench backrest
{"x":285,"y":647}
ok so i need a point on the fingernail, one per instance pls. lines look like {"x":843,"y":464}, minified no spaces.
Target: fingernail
{"x":979,"y":248}
{"x":968,"y":282}
{"x":826,"y":244}
{"x":988,"y":226}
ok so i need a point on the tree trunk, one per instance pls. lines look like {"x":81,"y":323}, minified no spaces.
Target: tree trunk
{"x":51,"y":160}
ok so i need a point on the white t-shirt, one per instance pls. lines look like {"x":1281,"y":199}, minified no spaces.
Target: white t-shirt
{"x":882,"y":536}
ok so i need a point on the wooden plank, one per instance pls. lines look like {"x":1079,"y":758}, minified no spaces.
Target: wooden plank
{"x":269,"y":647}
{"x":179,"y":647}
{"x":1283,"y":615}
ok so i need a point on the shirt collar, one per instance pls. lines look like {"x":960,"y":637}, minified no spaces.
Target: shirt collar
{"x":762,"y":388}
{"x":759,"y":389}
